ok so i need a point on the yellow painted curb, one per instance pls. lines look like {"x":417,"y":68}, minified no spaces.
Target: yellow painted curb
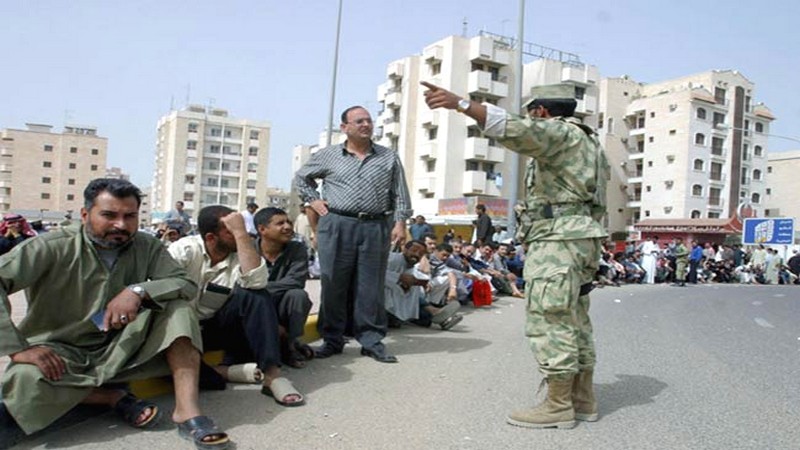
{"x":152,"y":387}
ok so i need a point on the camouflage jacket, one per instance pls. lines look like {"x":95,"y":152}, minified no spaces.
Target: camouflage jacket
{"x":565,"y":182}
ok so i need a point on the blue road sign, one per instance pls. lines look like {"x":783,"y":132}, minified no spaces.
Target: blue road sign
{"x":778,"y":231}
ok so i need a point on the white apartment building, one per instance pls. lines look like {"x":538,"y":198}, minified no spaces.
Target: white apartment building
{"x":783,"y":185}
{"x":43,"y":173}
{"x":692,"y":147}
{"x":204,"y":157}
{"x":444,"y":153}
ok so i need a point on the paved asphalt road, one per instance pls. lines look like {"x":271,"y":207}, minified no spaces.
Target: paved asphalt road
{"x":703,"y":367}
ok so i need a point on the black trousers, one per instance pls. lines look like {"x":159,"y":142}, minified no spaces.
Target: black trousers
{"x":692,"y":277}
{"x":293,"y":308}
{"x":246,"y":328}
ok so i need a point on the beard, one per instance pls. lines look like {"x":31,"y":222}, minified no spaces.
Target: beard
{"x":112,"y":239}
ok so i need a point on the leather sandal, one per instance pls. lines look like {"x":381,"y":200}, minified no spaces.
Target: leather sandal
{"x":198,"y":428}
{"x":130,"y":408}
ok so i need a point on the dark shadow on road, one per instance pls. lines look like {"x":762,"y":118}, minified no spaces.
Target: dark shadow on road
{"x":628,"y":390}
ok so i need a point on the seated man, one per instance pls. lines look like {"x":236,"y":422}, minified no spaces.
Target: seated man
{"x":105,"y":305}
{"x":236,"y":313}
{"x":405,"y":294}
{"x":287,"y":263}
{"x":501,"y":277}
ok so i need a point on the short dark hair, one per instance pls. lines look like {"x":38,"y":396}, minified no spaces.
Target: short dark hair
{"x":481,"y":207}
{"x":252,"y":205}
{"x":264,"y":215}
{"x":414,"y":242}
{"x":114,"y":186}
{"x":447,"y":247}
{"x":428,"y":236}
{"x":556,"y":107}
{"x":347,"y":111}
{"x":208,"y":218}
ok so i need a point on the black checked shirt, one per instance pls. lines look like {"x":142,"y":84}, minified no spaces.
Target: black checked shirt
{"x":374,"y":185}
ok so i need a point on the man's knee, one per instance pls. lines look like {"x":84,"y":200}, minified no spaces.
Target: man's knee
{"x":183,"y":349}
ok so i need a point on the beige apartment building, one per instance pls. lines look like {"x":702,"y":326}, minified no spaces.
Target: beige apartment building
{"x":692,"y":147}
{"x":43,"y":173}
{"x":204,"y":157}
{"x":783,"y":186}
{"x":444,"y":153}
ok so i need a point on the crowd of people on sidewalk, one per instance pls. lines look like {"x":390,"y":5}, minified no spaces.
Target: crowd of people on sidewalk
{"x":652,"y":262}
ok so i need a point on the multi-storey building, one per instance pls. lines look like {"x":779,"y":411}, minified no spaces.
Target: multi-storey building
{"x":116,"y":172}
{"x":692,"y":147}
{"x":782,"y":186}
{"x":444,"y":153}
{"x":204,"y":157}
{"x":42,"y":171}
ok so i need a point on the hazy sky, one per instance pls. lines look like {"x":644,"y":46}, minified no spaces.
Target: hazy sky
{"x":119,"y":65}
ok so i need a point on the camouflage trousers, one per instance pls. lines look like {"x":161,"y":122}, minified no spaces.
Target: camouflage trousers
{"x":558,"y":324}
{"x":680,"y":270}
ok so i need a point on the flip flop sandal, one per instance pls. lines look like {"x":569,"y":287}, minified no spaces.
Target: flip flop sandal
{"x":245,"y":373}
{"x":198,"y":428}
{"x":305,"y":351}
{"x":129,"y":408}
{"x":279,"y":389}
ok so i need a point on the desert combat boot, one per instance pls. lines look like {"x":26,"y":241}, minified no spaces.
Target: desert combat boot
{"x":556,"y":410}
{"x":583,"y":397}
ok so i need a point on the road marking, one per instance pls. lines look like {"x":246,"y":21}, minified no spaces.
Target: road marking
{"x":758,"y":303}
{"x":763,"y":323}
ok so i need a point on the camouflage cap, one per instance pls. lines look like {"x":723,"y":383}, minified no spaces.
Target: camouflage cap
{"x":561,"y":91}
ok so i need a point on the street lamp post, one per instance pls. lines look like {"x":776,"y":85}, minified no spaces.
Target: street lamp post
{"x":333,"y":78}
{"x":516,"y":99}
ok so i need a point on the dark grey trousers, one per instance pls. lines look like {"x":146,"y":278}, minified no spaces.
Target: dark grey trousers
{"x":352,"y":257}
{"x":293,"y":309}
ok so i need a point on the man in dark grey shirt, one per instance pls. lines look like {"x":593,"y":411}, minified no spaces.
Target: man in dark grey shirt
{"x":363,"y":209}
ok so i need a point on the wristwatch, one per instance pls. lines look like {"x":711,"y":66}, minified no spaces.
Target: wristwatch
{"x":463,"y":105}
{"x":138,"y":290}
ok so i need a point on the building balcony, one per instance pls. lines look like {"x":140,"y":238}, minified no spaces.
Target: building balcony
{"x":432,"y":53}
{"x":6,"y":167}
{"x":428,"y":150}
{"x":393,"y":99}
{"x":717,"y":178}
{"x":480,"y":82}
{"x":475,"y":183}
{"x":634,"y":201}
{"x":391,"y":129}
{"x":191,"y":153}
{"x":5,"y":183}
{"x":637,"y":131}
{"x":191,"y":170}
{"x":5,"y":151}
{"x":635,"y":153}
{"x":483,"y":49}
{"x":714,"y":203}
{"x":429,"y":118}
{"x":579,"y":75}
{"x":383,"y":89}
{"x":478,"y":148}
{"x":719,"y":154}
{"x":425,"y":184}
{"x":395,"y":70}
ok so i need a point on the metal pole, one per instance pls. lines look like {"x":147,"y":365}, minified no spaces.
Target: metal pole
{"x":516,"y":99}
{"x":333,"y":79}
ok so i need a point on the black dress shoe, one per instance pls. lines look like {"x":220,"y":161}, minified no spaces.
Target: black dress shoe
{"x":379,"y":355}
{"x":326,"y":350}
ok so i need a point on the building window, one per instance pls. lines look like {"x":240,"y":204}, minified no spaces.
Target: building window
{"x":472,"y":166}
{"x":432,"y":133}
{"x":668,"y":184}
{"x":701,"y":113}
{"x":430,"y":165}
{"x":192,"y":127}
{"x":252,"y":168}
{"x":769,"y":169}
{"x":95,"y":151}
{"x":252,"y":151}
{"x":652,"y":114}
{"x":648,"y":188}
{"x":191,"y":145}
{"x":713,"y":215}
{"x":610,"y":125}
{"x":672,"y":132}
{"x":254,"y":135}
{"x":71,"y":181}
{"x":719,"y":119}
{"x":93,"y":167}
{"x":188,"y":196}
{"x":73,"y":166}
{"x":719,"y":95}
{"x":580,"y":92}
{"x":757,"y":175}
{"x":212,"y":181}
{"x":436,"y":68}
{"x":670,"y":159}
{"x":650,"y":139}
{"x":667,"y":209}
{"x":758,"y":151}
{"x":698,"y":165}
{"x":700,"y":139}
{"x":70,"y":197}
{"x":251,"y":184}
{"x":769,"y":191}
{"x":697,"y":190}
{"x":600,"y":120}
{"x":647,"y":213}
{"x":48,"y":148}
{"x":649,"y":163}
{"x":695,"y":214}
{"x":228,"y":133}
{"x":716,"y":146}
{"x":189,"y":179}
{"x":759,"y":127}
{"x":47,"y":164}
{"x":216,"y":132}
{"x":45,"y":196}
{"x":73,"y":149}
{"x":673,"y":107}
{"x":755,"y":198}
{"x":46,"y":180}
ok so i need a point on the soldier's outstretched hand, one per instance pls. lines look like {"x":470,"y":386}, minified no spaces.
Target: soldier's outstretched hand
{"x":437,"y":97}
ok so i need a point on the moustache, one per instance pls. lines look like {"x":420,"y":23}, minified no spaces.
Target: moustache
{"x":113,"y":233}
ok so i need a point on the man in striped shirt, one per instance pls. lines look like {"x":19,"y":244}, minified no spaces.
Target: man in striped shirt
{"x":363,"y":210}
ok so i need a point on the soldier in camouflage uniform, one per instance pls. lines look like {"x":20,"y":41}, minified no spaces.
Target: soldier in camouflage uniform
{"x":681,"y":260}
{"x":560,"y":222}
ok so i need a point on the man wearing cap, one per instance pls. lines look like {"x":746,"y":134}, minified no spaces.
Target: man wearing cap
{"x":364,"y":209}
{"x":561,"y":225}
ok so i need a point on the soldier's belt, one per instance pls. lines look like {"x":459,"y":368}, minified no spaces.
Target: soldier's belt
{"x":554,"y":211}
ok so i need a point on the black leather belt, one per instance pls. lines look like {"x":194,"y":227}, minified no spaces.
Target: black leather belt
{"x":359,"y":215}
